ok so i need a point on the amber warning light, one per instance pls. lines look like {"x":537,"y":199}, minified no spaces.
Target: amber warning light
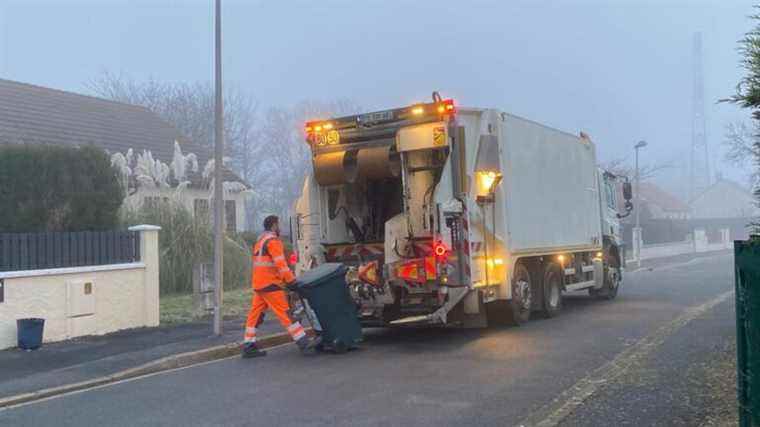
{"x":322,"y":132}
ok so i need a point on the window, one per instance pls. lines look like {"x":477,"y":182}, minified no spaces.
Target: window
{"x":151,"y":202}
{"x":230,"y":216}
{"x":200,"y":209}
{"x":609,"y":191}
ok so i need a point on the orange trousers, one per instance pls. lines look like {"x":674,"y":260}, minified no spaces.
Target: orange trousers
{"x":277,"y":301}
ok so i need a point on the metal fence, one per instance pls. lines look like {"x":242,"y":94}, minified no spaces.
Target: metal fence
{"x":747,"y":263}
{"x":33,"y":251}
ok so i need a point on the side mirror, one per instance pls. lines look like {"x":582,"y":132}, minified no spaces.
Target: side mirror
{"x":627,"y":191}
{"x":628,"y":209}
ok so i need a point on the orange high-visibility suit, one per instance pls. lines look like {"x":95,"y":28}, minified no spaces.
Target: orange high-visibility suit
{"x":269,"y":276}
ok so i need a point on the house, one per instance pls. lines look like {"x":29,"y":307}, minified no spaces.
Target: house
{"x":37,"y":115}
{"x":659,"y":204}
{"x":725,"y":199}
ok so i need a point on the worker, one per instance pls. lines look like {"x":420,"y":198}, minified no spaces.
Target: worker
{"x":270,"y":277}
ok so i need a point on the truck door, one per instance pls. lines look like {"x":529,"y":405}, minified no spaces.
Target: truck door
{"x":610,"y":222}
{"x":306,"y":225}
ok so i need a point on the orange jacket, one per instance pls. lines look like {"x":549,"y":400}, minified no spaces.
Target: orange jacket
{"x":269,"y":265}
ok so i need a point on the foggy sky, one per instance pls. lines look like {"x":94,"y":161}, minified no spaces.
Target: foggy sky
{"x":619,"y":70}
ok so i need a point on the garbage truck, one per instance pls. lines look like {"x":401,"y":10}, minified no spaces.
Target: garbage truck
{"x":458,"y":216}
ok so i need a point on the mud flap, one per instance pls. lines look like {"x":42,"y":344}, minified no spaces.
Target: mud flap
{"x":598,"y":273}
{"x":471,"y":313}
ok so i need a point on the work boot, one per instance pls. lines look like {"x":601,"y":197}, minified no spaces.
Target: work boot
{"x":307,"y":346}
{"x":251,"y":350}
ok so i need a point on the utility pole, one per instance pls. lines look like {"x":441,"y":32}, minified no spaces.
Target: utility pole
{"x":218,"y":183}
{"x":637,"y":240}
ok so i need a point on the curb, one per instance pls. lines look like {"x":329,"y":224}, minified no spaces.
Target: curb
{"x":181,"y":360}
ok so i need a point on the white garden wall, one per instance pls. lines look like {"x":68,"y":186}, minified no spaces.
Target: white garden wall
{"x":118,"y":296}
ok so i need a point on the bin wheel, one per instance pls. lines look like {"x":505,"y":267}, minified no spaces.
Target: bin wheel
{"x":339,"y":346}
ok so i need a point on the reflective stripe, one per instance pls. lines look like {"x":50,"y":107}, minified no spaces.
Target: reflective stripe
{"x":264,"y":264}
{"x":263,"y":241}
{"x":296,"y":331}
{"x":250,"y":330}
{"x":262,"y":259}
{"x":249,"y":340}
{"x":279,"y":258}
{"x":284,"y":270}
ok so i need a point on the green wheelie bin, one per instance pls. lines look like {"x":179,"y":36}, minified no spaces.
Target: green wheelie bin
{"x":337,"y":323}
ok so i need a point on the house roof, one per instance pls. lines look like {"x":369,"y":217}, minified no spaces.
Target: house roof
{"x":723,"y":185}
{"x":654,"y":195}
{"x":39,"y":115}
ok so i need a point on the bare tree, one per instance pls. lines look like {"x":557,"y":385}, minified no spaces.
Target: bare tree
{"x":283,"y":172}
{"x":267,"y":150}
{"x":623,"y":167}
{"x":743,"y":148}
{"x":189,"y":107}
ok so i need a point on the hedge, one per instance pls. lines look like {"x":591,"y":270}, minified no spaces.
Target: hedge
{"x":57,"y":188}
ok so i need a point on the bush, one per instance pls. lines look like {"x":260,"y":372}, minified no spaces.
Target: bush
{"x":55,"y":188}
{"x":184,"y":242}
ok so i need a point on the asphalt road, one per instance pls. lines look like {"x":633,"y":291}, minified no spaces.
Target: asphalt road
{"x":497,"y":376}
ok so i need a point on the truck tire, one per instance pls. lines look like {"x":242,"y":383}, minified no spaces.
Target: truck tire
{"x":612,"y":279}
{"x":522,"y":295}
{"x":551,"y":298}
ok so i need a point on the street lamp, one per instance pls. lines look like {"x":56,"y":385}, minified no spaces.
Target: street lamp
{"x":218,"y":164}
{"x":637,"y":240}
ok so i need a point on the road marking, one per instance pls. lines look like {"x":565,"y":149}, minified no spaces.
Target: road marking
{"x":554,"y":412}
{"x":130,"y":380}
{"x":416,"y":400}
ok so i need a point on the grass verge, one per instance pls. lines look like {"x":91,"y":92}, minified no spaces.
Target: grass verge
{"x":178,"y":308}
{"x":720,"y":383}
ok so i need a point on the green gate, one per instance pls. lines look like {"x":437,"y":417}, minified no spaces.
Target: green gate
{"x":747,"y":262}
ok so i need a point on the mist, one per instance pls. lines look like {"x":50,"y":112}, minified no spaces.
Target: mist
{"x":620,"y":71}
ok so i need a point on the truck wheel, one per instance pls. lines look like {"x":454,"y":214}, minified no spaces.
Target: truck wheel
{"x":612,"y":283}
{"x":552,"y":290}
{"x":522,"y":295}
{"x":612,"y":279}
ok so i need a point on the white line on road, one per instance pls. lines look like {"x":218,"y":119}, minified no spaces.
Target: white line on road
{"x":551,"y":414}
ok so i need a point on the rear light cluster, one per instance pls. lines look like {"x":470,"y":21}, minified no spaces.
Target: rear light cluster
{"x":293,"y":258}
{"x":444,"y":107}
{"x":441,"y":252}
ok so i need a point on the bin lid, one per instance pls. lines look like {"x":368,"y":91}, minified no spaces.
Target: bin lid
{"x":321,"y":274}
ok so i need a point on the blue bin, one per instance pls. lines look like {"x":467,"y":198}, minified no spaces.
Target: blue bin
{"x":30,"y":333}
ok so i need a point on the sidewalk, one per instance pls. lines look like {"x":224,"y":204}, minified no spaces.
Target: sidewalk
{"x":650,"y":263}
{"x":87,"y":358}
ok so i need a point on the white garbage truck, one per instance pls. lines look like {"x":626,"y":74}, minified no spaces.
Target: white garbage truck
{"x":458,"y":216}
